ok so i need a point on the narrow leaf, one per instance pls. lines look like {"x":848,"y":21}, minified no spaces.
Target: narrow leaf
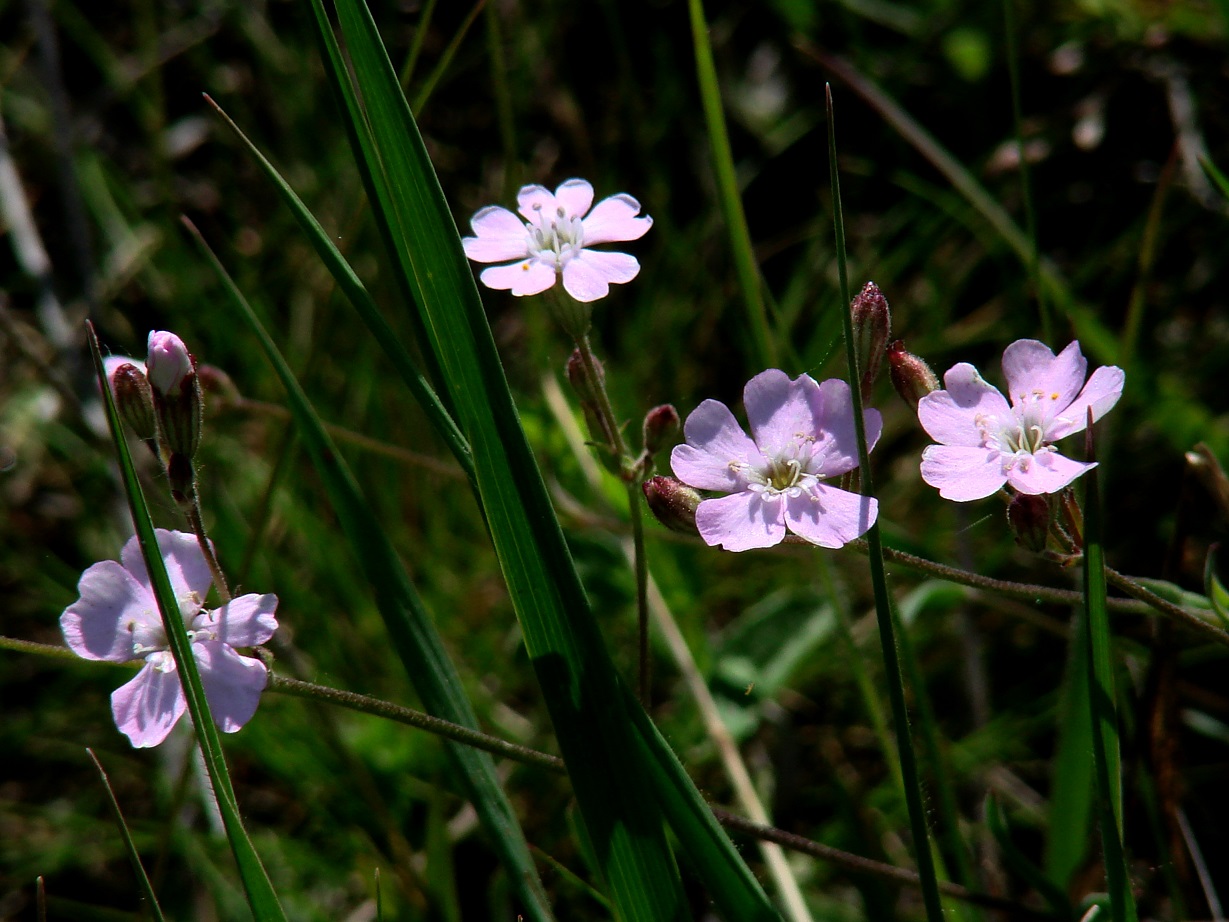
{"x":130,"y":847}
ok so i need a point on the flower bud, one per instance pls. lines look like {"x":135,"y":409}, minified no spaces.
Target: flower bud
{"x":661,"y":424}
{"x":911,"y":376}
{"x":673,"y":503}
{"x":181,"y":477}
{"x":178,"y":403}
{"x":872,"y":325}
{"x":1029,"y":518}
{"x":168,"y":362}
{"x":134,"y":399}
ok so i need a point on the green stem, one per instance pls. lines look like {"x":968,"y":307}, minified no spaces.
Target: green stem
{"x":883,"y":601}
{"x":191,"y":506}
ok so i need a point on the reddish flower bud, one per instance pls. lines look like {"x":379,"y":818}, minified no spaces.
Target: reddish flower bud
{"x":134,"y":399}
{"x":661,"y":425}
{"x":673,"y":503}
{"x":872,"y":325}
{"x":1029,"y":518}
{"x":911,"y":376}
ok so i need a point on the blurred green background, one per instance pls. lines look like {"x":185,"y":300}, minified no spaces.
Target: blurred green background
{"x":111,"y":141}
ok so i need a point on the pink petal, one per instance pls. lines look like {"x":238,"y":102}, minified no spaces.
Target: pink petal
{"x":147,"y":708}
{"x":951,"y":416}
{"x":574,"y":196}
{"x":96,"y":625}
{"x":529,"y":277}
{"x":233,"y":683}
{"x":501,"y":236}
{"x":614,"y":219}
{"x":837,"y":450}
{"x":780,"y":411}
{"x":531,"y":201}
{"x":714,"y":441}
{"x":830,"y":517}
{"x":1100,"y":394}
{"x":589,"y":274}
{"x":741,"y":521}
{"x":242,"y":622}
{"x":963,"y":473}
{"x":1046,"y":472}
{"x":1034,"y":374}
{"x":185,"y":564}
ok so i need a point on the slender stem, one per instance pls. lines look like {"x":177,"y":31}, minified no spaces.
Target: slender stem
{"x":1148,"y":597}
{"x":191,"y":506}
{"x":883,"y":601}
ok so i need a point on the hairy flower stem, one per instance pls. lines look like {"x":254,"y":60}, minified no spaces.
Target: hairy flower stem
{"x":190,"y":504}
{"x":630,"y":474}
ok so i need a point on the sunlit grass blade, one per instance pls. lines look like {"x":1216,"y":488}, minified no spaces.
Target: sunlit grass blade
{"x":130,"y":847}
{"x":260,"y":895}
{"x":1107,"y":758}
{"x":410,"y":628}
{"x":356,"y":292}
{"x":745,"y":266}
{"x":883,"y":601}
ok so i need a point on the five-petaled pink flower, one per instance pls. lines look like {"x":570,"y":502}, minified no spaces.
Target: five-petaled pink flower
{"x":803,"y":434}
{"x":554,"y":239}
{"x":117,"y":619}
{"x":987,"y":442}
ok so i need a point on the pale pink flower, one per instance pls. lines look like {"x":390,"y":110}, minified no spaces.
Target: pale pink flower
{"x":116,"y":619}
{"x":554,"y":239}
{"x":803,"y":434}
{"x":168,"y":362}
{"x":987,"y":442}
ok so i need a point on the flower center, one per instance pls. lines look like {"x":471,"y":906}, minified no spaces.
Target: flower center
{"x":1019,"y":439}
{"x":786,"y":472}
{"x":149,"y":637}
{"x":555,"y":238}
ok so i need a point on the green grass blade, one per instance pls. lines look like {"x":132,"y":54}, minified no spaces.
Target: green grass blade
{"x":129,"y":846}
{"x":1022,"y":866}
{"x":409,"y":626}
{"x":354,"y":290}
{"x":579,"y":683}
{"x":260,"y":895}
{"x":727,"y":190}
{"x":883,"y":601}
{"x":1104,"y":710}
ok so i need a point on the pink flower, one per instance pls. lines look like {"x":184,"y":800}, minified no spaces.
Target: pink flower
{"x":986,"y":442}
{"x":554,"y":239}
{"x":803,"y":434}
{"x":169,"y":362}
{"x":116,"y":619}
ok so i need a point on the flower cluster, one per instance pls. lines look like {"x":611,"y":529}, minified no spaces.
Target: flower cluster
{"x":116,"y":619}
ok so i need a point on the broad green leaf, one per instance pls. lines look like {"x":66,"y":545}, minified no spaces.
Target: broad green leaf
{"x":260,"y":895}
{"x":409,"y":626}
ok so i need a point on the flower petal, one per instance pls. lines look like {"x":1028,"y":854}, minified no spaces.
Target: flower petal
{"x":1035,"y":375}
{"x":528,"y":277}
{"x":741,"y":521}
{"x":614,"y":219}
{"x":836,"y":450}
{"x":953,"y":416}
{"x":1046,"y":472}
{"x":242,"y":622}
{"x":780,"y":411}
{"x":714,"y":442}
{"x":830,"y":517}
{"x":574,"y":196}
{"x":185,"y":564}
{"x":1100,"y":394}
{"x":531,"y":201}
{"x":501,"y":236}
{"x":233,"y":683}
{"x":96,"y":625}
{"x":589,"y":274}
{"x":146,"y":708}
{"x":963,"y":473}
